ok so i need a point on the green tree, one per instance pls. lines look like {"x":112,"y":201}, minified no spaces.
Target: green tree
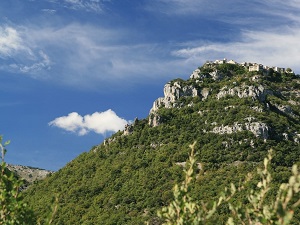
{"x":13,"y":210}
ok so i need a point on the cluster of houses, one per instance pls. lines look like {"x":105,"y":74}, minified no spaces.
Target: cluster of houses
{"x":251,"y":66}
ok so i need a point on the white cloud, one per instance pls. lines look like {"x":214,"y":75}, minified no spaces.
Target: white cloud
{"x":98,"y":122}
{"x":18,"y":53}
{"x":86,"y":56}
{"x":278,"y":47}
{"x":11,"y":42}
{"x":70,"y":123}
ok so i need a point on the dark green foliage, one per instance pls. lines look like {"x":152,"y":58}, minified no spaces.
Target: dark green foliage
{"x":127,"y":179}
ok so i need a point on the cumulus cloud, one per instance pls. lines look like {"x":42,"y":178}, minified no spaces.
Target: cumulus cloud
{"x":98,"y":122}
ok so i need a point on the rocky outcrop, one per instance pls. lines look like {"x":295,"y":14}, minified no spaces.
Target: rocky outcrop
{"x":245,"y":91}
{"x":154,"y":119}
{"x":128,"y":129}
{"x":259,"y":129}
{"x":216,"y":75}
{"x":205,"y":93}
{"x":28,"y":174}
{"x":172,"y":93}
{"x":286,"y":109}
{"x":195,"y":74}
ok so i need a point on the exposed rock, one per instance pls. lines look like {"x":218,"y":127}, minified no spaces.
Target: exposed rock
{"x":229,"y":107}
{"x":205,"y":93}
{"x":29,"y":174}
{"x":195,"y":74}
{"x":108,"y":141}
{"x":228,"y":129}
{"x":225,"y":144}
{"x":154,"y":119}
{"x":257,"y":109}
{"x":293,"y":102}
{"x":286,"y":109}
{"x":297,"y":138}
{"x":128,"y":129}
{"x":286,"y":136}
{"x":255,"y":78}
{"x":202,"y":112}
{"x":183,"y":164}
{"x":245,"y":91}
{"x":257,"y":128}
{"x":216,"y":75}
{"x":172,"y":92}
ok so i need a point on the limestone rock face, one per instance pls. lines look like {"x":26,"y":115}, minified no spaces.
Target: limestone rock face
{"x":245,"y":91}
{"x":172,"y":92}
{"x":195,"y":74}
{"x":259,"y":129}
{"x":216,"y":75}
{"x":205,"y":93}
{"x":29,"y":174}
{"x":128,"y":129}
{"x":154,"y":119}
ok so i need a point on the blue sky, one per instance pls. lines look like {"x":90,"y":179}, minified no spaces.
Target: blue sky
{"x":74,"y":71}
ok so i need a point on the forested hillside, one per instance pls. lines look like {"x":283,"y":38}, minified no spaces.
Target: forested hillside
{"x":235,"y":117}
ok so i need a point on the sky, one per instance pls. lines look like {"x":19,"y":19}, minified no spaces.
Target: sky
{"x":73,"y":72}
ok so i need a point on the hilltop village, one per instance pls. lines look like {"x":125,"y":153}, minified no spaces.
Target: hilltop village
{"x":250,"y":66}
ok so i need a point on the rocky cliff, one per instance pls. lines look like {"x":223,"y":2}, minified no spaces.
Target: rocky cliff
{"x":29,"y":174}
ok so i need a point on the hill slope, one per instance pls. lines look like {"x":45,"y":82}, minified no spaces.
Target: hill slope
{"x":235,"y":116}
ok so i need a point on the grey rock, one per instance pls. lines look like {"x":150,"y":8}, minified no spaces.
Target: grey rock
{"x":245,"y":91}
{"x":259,"y":129}
{"x":172,"y":92}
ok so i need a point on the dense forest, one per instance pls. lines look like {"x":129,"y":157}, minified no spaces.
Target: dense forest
{"x":234,"y":116}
